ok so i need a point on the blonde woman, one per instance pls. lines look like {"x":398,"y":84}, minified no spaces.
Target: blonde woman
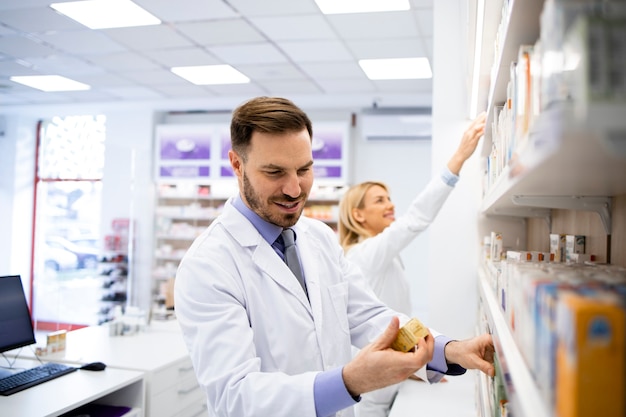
{"x":373,"y":238}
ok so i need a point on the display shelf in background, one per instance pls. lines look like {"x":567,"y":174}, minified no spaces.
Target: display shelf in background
{"x":114,"y":269}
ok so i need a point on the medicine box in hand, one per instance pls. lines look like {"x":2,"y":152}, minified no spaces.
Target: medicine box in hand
{"x":409,"y":334}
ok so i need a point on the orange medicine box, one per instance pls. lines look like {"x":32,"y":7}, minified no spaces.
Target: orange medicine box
{"x":590,"y":354}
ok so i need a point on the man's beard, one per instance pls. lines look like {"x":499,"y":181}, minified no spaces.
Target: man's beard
{"x":264,"y":211}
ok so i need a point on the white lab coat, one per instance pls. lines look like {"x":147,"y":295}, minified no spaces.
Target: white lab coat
{"x":379,"y":257}
{"x":256,"y":343}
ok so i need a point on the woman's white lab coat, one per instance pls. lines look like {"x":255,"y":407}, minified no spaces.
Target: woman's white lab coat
{"x":255,"y":341}
{"x":379,"y":256}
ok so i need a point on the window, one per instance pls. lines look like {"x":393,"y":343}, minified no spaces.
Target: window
{"x":66,"y":232}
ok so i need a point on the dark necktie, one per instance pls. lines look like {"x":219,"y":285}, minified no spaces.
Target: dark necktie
{"x":291,"y":256}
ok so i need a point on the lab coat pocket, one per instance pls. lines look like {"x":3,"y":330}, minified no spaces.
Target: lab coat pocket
{"x":339,"y":297}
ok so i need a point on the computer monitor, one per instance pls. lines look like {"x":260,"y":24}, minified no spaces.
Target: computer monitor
{"x":16,"y":326}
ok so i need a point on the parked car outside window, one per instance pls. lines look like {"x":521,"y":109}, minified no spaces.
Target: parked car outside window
{"x":87,"y":256}
{"x":59,"y":259}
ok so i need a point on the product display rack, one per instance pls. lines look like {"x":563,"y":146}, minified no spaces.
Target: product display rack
{"x":183,"y":211}
{"x":114,"y":268}
{"x":571,"y":160}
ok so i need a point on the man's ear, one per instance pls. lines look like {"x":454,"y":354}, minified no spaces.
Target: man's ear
{"x":235,"y":162}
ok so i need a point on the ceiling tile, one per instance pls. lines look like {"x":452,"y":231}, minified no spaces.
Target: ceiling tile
{"x":258,"y":53}
{"x":187,"y":10}
{"x":182,"y":57}
{"x":38,"y":20}
{"x":154,"y":77}
{"x":88,"y":95}
{"x":21,"y":47}
{"x":388,"y":25}
{"x":425,"y":22}
{"x":274,"y":7}
{"x":294,"y":27}
{"x":41,"y":97}
{"x":220,"y":32}
{"x":271,"y":71}
{"x":140,"y":93}
{"x":7,"y":97}
{"x":10,"y":68}
{"x":333,"y":70}
{"x":5,"y":31}
{"x":183,"y":90}
{"x":22,"y":4}
{"x":285,"y":88}
{"x":421,"y":4}
{"x":387,"y":48}
{"x":400,"y":86}
{"x":65,"y":66}
{"x":249,"y":90}
{"x":87,"y":42}
{"x":148,"y":37}
{"x":347,"y":86}
{"x":104,"y":80}
{"x":316,"y":51}
{"x":126,"y":61}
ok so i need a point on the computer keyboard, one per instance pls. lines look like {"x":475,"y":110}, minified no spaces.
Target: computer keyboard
{"x":33,"y":376}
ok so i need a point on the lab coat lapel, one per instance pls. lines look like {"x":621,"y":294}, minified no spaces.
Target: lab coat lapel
{"x":310,"y":259}
{"x":263,"y":254}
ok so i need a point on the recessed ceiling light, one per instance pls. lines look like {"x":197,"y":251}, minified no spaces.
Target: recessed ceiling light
{"x":396,"y":69}
{"x":361,"y":6}
{"x":50,"y":83}
{"x":211,"y":74}
{"x":103,"y":14}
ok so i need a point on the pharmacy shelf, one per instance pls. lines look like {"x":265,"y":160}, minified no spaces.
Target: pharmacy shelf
{"x":484,"y":404}
{"x":523,"y":394}
{"x":521,"y":28}
{"x":567,"y":154}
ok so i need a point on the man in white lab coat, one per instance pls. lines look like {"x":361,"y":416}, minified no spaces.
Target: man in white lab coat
{"x":263,"y":344}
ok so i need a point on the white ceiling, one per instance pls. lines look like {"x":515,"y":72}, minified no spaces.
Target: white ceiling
{"x":286,"y":47}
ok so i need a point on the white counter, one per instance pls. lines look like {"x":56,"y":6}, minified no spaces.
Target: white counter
{"x":158,"y":352}
{"x":68,"y":392}
{"x":456,"y":397}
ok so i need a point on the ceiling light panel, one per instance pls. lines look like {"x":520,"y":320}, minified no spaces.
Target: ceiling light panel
{"x":211,"y":74}
{"x":103,"y":14}
{"x":396,"y":69}
{"x":50,"y":83}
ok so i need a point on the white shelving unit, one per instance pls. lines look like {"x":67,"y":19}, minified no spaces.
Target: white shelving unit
{"x":524,"y":396}
{"x":573,"y":158}
{"x":183,"y":211}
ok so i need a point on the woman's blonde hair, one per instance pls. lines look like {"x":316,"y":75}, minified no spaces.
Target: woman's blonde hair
{"x":351,"y":231}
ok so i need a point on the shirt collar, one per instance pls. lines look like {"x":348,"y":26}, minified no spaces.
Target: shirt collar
{"x":269,"y":231}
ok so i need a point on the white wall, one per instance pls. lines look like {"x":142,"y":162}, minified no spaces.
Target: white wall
{"x":405,"y":166}
{"x":17,"y":161}
{"x":453,"y":236}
